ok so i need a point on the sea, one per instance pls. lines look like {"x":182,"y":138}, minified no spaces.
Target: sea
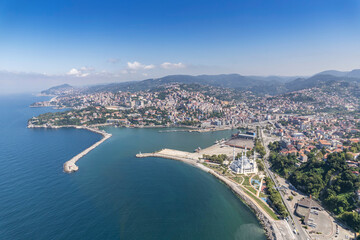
{"x":114,"y":195}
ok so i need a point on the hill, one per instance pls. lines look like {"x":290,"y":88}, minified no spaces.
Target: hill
{"x":58,"y":90}
{"x":232,"y":81}
{"x":318,"y":80}
{"x":350,"y":74}
{"x":271,"y":85}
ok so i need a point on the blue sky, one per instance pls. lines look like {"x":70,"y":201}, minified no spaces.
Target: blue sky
{"x":127,"y":40}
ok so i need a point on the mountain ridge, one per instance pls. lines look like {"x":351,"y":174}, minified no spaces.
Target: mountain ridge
{"x":271,"y":85}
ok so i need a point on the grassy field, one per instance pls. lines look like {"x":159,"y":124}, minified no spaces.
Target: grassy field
{"x":246,"y":180}
{"x":238,"y":179}
{"x":251,"y":189}
{"x":256,"y":177}
{"x":262,"y":204}
{"x":262,"y":195}
{"x":216,"y":168}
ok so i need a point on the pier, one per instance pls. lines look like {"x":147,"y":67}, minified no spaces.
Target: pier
{"x":190,"y":158}
{"x":70,"y":166}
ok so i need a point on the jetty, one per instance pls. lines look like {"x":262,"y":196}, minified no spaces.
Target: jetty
{"x":187,"y":157}
{"x":70,"y":166}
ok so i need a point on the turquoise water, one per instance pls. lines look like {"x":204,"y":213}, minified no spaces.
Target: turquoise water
{"x":114,"y":195}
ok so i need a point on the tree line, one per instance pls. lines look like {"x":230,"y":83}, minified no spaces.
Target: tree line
{"x":331,"y":181}
{"x":215,"y":158}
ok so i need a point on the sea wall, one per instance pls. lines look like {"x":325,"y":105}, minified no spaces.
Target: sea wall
{"x":266,"y":221}
{"x":70,"y":166}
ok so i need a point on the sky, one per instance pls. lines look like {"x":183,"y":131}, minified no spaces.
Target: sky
{"x":44,"y":43}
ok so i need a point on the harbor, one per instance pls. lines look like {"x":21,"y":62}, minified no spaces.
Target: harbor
{"x":275,"y":229}
{"x":70,"y":166}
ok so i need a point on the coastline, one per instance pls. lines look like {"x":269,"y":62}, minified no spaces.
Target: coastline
{"x":185,"y":128}
{"x":70,"y":166}
{"x":268,"y":223}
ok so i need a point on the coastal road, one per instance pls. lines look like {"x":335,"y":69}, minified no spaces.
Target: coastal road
{"x":293,"y":222}
{"x":279,"y":228}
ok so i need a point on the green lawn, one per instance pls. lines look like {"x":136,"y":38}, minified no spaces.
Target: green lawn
{"x":237,"y":179}
{"x":251,"y":189}
{"x":246,"y":181}
{"x":262,"y":204}
{"x":262,"y":195}
{"x":256,"y":177}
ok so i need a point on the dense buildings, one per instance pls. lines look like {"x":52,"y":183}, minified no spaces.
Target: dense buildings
{"x":318,"y":129}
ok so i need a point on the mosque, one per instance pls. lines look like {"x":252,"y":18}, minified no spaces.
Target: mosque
{"x":243,"y":165}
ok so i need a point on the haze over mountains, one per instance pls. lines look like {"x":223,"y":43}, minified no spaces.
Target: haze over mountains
{"x":351,"y":74}
{"x":261,"y":85}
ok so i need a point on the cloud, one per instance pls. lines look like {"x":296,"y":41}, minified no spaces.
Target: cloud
{"x":80,"y":72}
{"x":138,"y":66}
{"x":168,"y":65}
{"x":151,"y":66}
{"x":73,"y":71}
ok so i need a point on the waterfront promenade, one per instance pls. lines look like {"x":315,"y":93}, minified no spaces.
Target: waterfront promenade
{"x":275,"y":229}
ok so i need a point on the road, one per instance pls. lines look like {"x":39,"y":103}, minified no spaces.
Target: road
{"x":293,"y":222}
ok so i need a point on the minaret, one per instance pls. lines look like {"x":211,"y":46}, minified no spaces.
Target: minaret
{"x":254,"y":160}
{"x":233,"y":153}
{"x":242,"y":163}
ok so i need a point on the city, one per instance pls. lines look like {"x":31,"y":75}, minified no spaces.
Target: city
{"x":290,"y":133}
{"x":180,"y":120}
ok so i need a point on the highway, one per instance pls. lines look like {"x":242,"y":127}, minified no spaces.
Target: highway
{"x":293,"y":222}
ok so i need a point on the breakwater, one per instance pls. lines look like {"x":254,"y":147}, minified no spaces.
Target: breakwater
{"x":70,"y":166}
{"x":271,"y":229}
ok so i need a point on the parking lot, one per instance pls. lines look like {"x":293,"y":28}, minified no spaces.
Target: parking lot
{"x":325,"y":225}
{"x":320,"y":225}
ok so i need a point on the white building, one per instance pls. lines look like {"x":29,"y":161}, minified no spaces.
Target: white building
{"x":243,"y":165}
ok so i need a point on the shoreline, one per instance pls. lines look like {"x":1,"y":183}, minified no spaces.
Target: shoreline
{"x":70,"y":165}
{"x":267,"y":222}
{"x":185,"y":128}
